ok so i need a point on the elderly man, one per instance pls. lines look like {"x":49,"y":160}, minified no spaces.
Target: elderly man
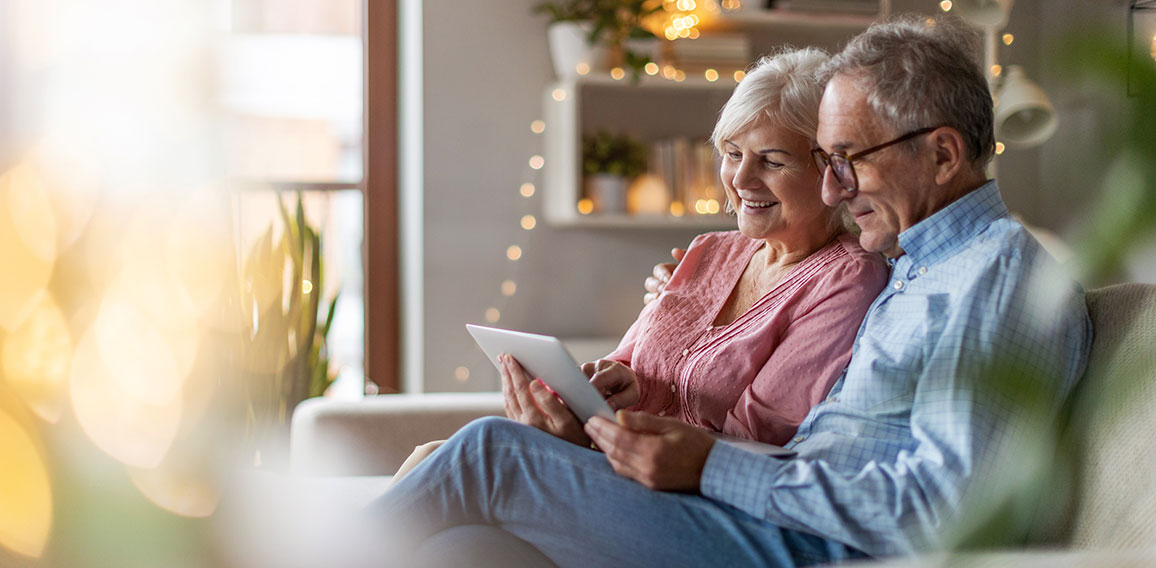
{"x":919,"y":415}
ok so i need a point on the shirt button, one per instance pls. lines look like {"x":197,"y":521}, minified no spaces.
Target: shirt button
{"x":922,"y":270}
{"x":673,"y":388}
{"x":898,"y":285}
{"x":798,"y":439}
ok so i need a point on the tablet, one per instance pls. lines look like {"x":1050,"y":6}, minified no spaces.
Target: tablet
{"x":546,"y":358}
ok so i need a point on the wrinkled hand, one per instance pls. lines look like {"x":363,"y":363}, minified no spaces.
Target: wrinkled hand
{"x":660,"y":453}
{"x":616,"y":382}
{"x":529,"y":401}
{"x":656,"y":283}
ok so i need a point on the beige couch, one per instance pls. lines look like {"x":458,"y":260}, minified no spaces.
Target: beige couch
{"x":1110,"y":519}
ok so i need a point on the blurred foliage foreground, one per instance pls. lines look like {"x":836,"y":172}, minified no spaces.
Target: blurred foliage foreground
{"x":146,"y":355}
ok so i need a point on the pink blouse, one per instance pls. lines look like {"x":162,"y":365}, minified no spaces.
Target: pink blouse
{"x":758,"y":376}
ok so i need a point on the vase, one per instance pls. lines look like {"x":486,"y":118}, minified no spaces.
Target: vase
{"x":570,"y":50}
{"x":608,"y":192}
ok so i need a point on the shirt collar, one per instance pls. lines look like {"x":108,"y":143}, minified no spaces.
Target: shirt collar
{"x":939,"y":235}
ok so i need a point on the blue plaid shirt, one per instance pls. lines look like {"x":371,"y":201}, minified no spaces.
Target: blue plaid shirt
{"x":884,"y":462}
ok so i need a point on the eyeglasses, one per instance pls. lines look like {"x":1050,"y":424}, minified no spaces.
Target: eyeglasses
{"x":843,"y":165}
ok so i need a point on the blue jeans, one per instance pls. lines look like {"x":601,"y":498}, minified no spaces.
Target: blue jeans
{"x":569,"y":503}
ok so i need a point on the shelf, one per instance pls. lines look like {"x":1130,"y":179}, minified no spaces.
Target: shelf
{"x":812,"y":18}
{"x":624,"y":221}
{"x":650,"y":109}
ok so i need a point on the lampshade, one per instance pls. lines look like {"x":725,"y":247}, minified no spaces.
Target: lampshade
{"x":991,"y":14}
{"x":1023,"y":114}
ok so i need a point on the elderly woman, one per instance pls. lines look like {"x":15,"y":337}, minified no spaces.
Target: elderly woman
{"x":754,"y":325}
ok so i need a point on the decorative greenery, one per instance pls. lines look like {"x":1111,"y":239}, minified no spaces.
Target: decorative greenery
{"x":613,"y":23}
{"x":285,"y":350}
{"x":609,"y":153}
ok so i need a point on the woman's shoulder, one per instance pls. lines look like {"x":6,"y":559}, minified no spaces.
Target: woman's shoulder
{"x":719,"y":238}
{"x":855,"y":260}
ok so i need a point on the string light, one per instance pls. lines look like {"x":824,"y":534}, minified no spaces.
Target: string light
{"x":527,"y":189}
{"x":559,"y":94}
{"x":493,"y":315}
{"x":1008,"y":39}
{"x":528,"y":222}
{"x":996,"y":70}
{"x":740,"y":75}
{"x":711,"y":75}
{"x":999,"y":147}
{"x":680,"y":75}
{"x":651,"y":68}
{"x":585,"y":206}
{"x":514,"y":252}
{"x":617,"y":73}
{"x":306,"y":286}
{"x":537,"y":161}
{"x":583,"y":68}
{"x":462,"y":374}
{"x":538,"y":126}
{"x":509,"y":288}
{"x":945,"y":5}
{"x":677,"y":209}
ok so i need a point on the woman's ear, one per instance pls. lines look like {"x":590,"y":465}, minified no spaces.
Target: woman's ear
{"x":950,"y":154}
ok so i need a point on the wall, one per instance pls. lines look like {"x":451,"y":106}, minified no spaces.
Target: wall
{"x":485,"y":64}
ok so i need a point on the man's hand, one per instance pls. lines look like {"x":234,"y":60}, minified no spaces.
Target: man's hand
{"x":660,"y":453}
{"x":656,"y":283}
{"x":616,"y":382}
{"x":529,"y":401}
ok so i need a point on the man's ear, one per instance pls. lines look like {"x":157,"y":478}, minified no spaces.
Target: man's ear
{"x":950,"y":154}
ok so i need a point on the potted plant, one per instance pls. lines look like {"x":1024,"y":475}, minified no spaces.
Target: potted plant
{"x":609,"y":162}
{"x":599,"y":34}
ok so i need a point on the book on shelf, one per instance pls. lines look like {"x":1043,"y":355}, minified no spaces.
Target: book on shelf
{"x":717,"y":51}
{"x":688,"y":169}
{"x":865,"y":7}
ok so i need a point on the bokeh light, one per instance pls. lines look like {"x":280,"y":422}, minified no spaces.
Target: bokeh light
{"x":133,"y":432}
{"x":35,"y":360}
{"x":25,"y":492}
{"x":27,"y":244}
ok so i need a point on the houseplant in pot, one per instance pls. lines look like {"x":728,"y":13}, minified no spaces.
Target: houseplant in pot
{"x":592,"y":35}
{"x":609,"y":162}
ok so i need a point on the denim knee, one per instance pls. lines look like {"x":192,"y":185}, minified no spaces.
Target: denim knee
{"x":489,"y":428}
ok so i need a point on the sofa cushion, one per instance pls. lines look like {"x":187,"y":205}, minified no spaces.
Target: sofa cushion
{"x":1113,"y":423}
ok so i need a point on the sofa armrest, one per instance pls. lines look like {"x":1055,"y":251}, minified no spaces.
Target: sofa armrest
{"x":374,"y":435}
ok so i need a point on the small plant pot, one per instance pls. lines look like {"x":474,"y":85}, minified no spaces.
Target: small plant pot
{"x":569,"y":49}
{"x":608,"y":192}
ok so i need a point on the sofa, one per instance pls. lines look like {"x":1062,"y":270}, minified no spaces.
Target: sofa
{"x":1106,"y":516}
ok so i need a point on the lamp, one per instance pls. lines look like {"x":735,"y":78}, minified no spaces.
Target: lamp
{"x":1023,"y":114}
{"x":987,"y":14}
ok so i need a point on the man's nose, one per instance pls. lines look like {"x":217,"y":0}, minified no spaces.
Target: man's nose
{"x":833,"y":192}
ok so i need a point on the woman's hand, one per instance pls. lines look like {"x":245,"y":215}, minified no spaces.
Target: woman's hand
{"x":616,"y":382}
{"x":529,"y":401}
{"x":656,"y":283}
{"x":661,"y":453}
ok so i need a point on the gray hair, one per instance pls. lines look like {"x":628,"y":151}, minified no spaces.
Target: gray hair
{"x":922,"y":72}
{"x":782,"y":86}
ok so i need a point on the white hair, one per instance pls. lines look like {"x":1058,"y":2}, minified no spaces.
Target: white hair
{"x":784,"y":87}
